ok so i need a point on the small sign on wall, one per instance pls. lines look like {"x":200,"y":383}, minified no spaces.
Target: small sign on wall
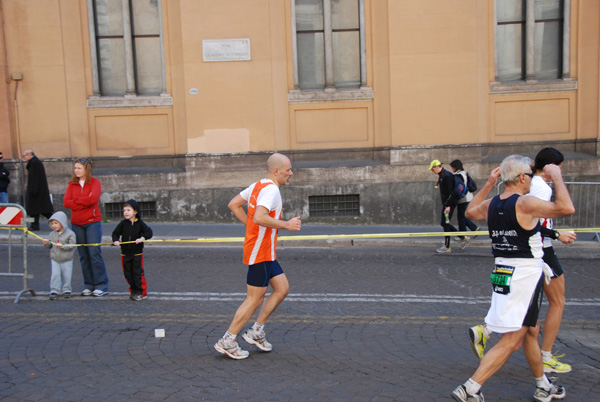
{"x":226,"y":50}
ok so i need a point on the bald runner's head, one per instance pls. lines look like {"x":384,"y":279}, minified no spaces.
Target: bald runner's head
{"x":279,"y":169}
{"x":277,"y":161}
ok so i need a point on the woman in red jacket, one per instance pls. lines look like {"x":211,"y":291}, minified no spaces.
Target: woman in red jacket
{"x":82,"y":198}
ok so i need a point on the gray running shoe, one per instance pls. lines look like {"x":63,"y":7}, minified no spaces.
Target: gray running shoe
{"x":555,"y":392}
{"x":443,"y":249}
{"x":463,"y":242}
{"x":231,"y":349}
{"x":260,"y":341}
{"x":460,"y":394}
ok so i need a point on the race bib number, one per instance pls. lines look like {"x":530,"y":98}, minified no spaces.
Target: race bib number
{"x":501,"y":277}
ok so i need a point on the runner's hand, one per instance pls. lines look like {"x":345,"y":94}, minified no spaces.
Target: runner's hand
{"x":567,"y":237}
{"x":494,"y":175}
{"x":294,"y":224}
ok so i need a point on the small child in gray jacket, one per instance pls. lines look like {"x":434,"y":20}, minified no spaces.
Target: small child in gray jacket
{"x":61,"y":257}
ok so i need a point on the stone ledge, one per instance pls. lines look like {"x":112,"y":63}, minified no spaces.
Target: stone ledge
{"x":131,"y":101}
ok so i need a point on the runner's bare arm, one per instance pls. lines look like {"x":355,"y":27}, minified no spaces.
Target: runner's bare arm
{"x":562,"y":206}
{"x":478,"y":207}
{"x":237,"y":207}
{"x":262,"y":218}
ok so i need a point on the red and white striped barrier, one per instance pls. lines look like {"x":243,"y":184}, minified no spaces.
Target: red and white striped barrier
{"x":11,"y":216}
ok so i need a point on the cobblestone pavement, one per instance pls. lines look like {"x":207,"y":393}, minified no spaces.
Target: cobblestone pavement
{"x":362,"y":323}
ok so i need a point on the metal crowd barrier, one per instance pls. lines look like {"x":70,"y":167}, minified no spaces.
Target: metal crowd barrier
{"x":586,"y":200}
{"x":585,"y":197}
{"x":13,"y":217}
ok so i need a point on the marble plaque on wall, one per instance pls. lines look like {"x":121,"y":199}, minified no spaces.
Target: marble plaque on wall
{"x":226,"y":49}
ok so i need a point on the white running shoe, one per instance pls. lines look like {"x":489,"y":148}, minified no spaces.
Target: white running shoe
{"x":231,"y":349}
{"x":260,"y":341}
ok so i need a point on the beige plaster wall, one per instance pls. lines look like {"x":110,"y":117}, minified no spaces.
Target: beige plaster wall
{"x":588,"y":58}
{"x":241,"y":100}
{"x":131,"y":132}
{"x":6,"y":95}
{"x":436,"y":92}
{"x":332,"y":125}
{"x":537,"y":117}
{"x":34,"y":47}
{"x":430,"y":65}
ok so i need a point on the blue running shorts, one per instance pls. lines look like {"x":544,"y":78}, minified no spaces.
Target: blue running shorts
{"x":260,"y":274}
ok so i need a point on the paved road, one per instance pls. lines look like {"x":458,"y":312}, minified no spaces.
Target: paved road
{"x":368,"y":322}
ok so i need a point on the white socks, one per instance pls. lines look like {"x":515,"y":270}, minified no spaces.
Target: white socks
{"x":542,"y":382}
{"x":258,"y":328}
{"x":472,"y":387}
{"x":546,"y":356}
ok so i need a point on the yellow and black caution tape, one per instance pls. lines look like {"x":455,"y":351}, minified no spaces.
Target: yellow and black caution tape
{"x":300,"y":237}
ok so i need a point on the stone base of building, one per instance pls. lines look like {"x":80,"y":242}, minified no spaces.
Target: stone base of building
{"x":358,"y":186}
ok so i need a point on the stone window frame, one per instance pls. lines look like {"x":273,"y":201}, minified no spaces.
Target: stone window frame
{"x":330,"y":92}
{"x":531,"y":84}
{"x":131,"y":99}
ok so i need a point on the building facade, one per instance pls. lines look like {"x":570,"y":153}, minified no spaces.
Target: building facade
{"x":388,"y":85}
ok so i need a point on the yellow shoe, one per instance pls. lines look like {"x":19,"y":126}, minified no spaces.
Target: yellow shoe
{"x":478,"y":340}
{"x":554,"y":366}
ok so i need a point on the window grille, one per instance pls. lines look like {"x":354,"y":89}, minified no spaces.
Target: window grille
{"x":114,"y":210}
{"x":334,"y":205}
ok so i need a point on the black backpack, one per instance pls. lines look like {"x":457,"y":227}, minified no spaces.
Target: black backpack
{"x":471,"y":185}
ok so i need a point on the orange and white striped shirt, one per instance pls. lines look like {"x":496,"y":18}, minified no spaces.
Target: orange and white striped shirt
{"x":260,"y":242}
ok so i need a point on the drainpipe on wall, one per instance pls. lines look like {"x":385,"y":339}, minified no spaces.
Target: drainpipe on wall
{"x":18,"y":77}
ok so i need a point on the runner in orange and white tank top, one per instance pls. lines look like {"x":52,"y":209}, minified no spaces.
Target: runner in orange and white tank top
{"x":262,"y":221}
{"x":260,"y":242}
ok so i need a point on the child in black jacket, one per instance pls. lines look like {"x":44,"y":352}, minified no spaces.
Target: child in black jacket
{"x":133,"y":231}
